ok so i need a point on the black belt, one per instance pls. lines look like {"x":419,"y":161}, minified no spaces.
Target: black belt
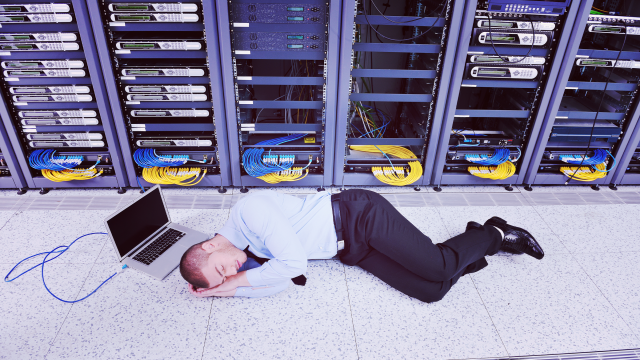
{"x":337,"y":221}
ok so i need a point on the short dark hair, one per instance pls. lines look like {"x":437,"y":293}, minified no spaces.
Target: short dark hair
{"x":191,"y":264}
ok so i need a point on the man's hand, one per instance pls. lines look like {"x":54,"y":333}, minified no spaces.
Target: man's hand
{"x":214,"y":291}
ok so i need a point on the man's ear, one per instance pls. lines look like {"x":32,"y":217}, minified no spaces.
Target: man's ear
{"x":210,"y":245}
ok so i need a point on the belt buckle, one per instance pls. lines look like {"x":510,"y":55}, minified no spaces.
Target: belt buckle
{"x":340,"y":245}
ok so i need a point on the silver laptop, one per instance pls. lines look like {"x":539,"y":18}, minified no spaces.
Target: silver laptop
{"x":145,"y":238}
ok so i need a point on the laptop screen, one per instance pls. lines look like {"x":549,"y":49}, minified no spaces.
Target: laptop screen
{"x":138,"y":221}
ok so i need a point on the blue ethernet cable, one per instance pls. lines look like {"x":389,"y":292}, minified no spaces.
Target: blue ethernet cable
{"x":612,"y":166}
{"x":499,"y":156}
{"x":58,"y":250}
{"x":254,"y":162}
{"x":599,"y":156}
{"x":45,"y":159}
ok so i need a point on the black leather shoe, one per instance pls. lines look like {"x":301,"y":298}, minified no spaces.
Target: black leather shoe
{"x":473,"y":225}
{"x":516,"y":240}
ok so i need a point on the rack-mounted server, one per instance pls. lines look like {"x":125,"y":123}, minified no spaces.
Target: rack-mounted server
{"x":163,"y":57}
{"x":54,"y":105}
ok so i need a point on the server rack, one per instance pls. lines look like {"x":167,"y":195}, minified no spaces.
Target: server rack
{"x":594,"y":104}
{"x":279,"y":62}
{"x":10,"y":175}
{"x":498,"y":103}
{"x":397,"y":87}
{"x":161,"y":65}
{"x":54,"y":96}
{"x":628,"y":170}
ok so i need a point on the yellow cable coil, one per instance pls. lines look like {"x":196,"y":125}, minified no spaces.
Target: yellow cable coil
{"x":71,"y":174}
{"x":293,"y":174}
{"x":500,"y":172}
{"x":174,"y":175}
{"x":586,"y":173}
{"x":388,"y":174}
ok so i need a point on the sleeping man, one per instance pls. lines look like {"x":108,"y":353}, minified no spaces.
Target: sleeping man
{"x":270,"y":236}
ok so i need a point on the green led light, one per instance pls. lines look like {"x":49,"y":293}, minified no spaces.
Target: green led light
{"x":594,"y":62}
{"x":501,"y":38}
{"x":15,"y":37}
{"x":492,"y":72}
{"x":607,"y":29}
{"x":295,"y":37}
{"x":295,"y":8}
{"x":134,"y":17}
{"x":12,"y":18}
{"x":25,"y":73}
{"x":137,"y":46}
{"x":10,"y":8}
{"x":294,"y":46}
{"x":22,"y":64}
{"x":295,"y":18}
{"x":131,"y":7}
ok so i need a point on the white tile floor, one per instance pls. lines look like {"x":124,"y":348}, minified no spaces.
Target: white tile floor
{"x":583,"y":296}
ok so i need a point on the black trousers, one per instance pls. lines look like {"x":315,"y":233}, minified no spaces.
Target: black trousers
{"x":382,"y":241}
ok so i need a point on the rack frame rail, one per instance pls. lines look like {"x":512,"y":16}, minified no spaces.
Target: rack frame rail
{"x":212,"y":59}
{"x":89,"y":54}
{"x":439,"y":176}
{"x":326,"y":132}
{"x":625,"y":146}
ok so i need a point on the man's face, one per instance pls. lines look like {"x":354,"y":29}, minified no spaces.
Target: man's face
{"x":222,"y":264}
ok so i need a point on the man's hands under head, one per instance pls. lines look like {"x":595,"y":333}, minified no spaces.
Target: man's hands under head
{"x":227,"y":288}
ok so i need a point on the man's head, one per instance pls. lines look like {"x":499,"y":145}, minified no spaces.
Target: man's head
{"x":209,"y":263}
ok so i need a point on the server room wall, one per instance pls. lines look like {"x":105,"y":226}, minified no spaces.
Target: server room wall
{"x":349,"y":106}
{"x":65,"y":107}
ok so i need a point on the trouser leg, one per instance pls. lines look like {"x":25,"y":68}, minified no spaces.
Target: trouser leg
{"x":384,"y":229}
{"x":398,"y":277}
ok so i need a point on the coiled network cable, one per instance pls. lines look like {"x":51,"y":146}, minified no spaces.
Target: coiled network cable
{"x":163,"y":169}
{"x":59,"y":251}
{"x":61,"y":168}
{"x":392,"y":175}
{"x":274,"y":168}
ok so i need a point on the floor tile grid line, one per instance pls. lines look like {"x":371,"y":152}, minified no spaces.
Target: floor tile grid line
{"x":605,"y":296}
{"x":206,"y":334}
{"x":478,"y":291}
{"x":587,"y":274}
{"x":70,"y":307}
{"x":353,"y":325}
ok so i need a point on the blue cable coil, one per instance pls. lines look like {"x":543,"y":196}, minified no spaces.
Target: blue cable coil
{"x":499,"y":156}
{"x":257,"y":165}
{"x":599,"y":157}
{"x":44,"y":159}
{"x":147,"y":158}
{"x":58,"y":250}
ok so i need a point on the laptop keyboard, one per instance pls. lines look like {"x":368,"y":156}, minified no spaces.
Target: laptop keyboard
{"x":159,"y":246}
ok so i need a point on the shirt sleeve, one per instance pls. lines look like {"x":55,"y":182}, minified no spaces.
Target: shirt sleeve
{"x":267,"y":221}
{"x":260,"y":291}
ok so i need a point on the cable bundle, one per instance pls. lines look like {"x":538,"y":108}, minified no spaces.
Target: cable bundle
{"x":499,"y":156}
{"x":273,"y":168}
{"x":175,"y":176}
{"x":45,"y":159}
{"x":72,"y":174}
{"x":585,"y":173}
{"x":598,"y":157}
{"x":392,"y":175}
{"x":147,"y":158}
{"x":62,"y":168}
{"x":500,"y":172}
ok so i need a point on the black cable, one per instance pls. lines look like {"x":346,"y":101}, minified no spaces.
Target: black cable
{"x":604,"y":93}
{"x":385,"y":10}
{"x":401,"y":40}
{"x":533,"y":42}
